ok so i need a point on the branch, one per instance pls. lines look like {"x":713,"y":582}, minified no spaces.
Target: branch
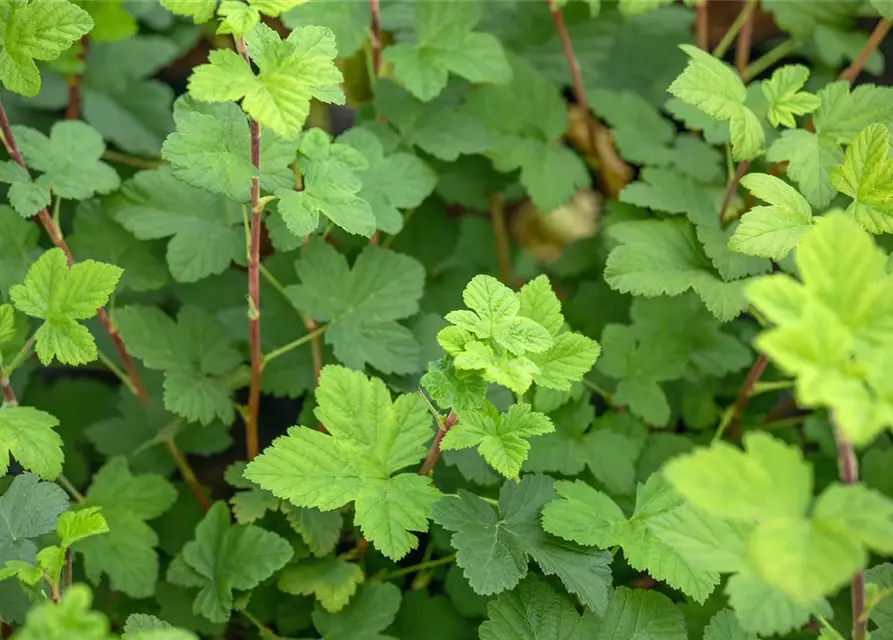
{"x":745,"y":392}
{"x":257,"y":362}
{"x":431,"y":460}
{"x":58,"y":240}
{"x":599,"y":139}
{"x":73,"y":109}
{"x":729,"y":36}
{"x":874,"y":40}
{"x":376,"y":36}
{"x":745,"y":38}
{"x":702,"y":26}
{"x":848,"y":467}
{"x":730,"y":190}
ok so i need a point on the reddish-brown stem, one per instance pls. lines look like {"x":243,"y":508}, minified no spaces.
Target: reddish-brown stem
{"x":745,"y":391}
{"x":570,"y":57}
{"x":730,"y":190}
{"x":58,"y":240}
{"x":742,"y":46}
{"x":702,"y":26}
{"x":252,"y":444}
{"x":9,"y":396}
{"x":874,"y":40}
{"x":376,"y":36}
{"x":73,"y":109}
{"x":848,"y":468}
{"x":434,"y":453}
{"x":67,"y":572}
{"x":501,"y":238}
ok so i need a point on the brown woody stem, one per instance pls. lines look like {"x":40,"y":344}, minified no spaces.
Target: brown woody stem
{"x":874,"y":40}
{"x":702,"y":26}
{"x":58,"y":240}
{"x":848,"y":468}
{"x":73,"y":109}
{"x":252,"y":445}
{"x":745,"y":39}
{"x":375,"y":14}
{"x":434,"y":453}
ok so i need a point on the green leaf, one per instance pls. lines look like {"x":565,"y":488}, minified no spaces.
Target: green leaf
{"x":238,"y":17}
{"x":359,"y":462}
{"x":29,"y":508}
{"x":502,"y":438}
{"x":331,"y":580}
{"x":211,"y":150}
{"x":704,"y":541}
{"x":291,"y":73}
{"x":392,"y":181}
{"x":98,"y":236}
{"x":810,"y":159}
{"x":865,"y":177}
{"x":55,"y":621}
{"x":534,"y":611}
{"x":638,"y":614}
{"x":77,"y":525}
{"x":859,"y":512}
{"x":349,"y":22}
{"x":127,"y":554}
{"x":28,"y":434}
{"x":68,"y":160}
{"x":330,"y":188}
{"x":225,"y":557}
{"x":767,"y":480}
{"x":362,"y":304}
{"x":725,"y":626}
{"x":804,"y":558}
{"x":204,"y":229}
{"x":710,"y":85}
{"x":110,"y":20}
{"x":447,"y":43}
{"x":665,"y":258}
{"x":36,"y":30}
{"x":365,"y":618}
{"x":494,"y":549}
{"x":320,"y":530}
{"x":18,"y":248}
{"x":452,"y":388}
{"x":773,"y":231}
{"x":7,"y":323}
{"x":437,"y":127}
{"x":195,"y":354}
{"x":60,"y":296}
{"x":591,"y":518}
{"x":786,"y":100}
{"x":199,"y":10}
{"x":765,"y":610}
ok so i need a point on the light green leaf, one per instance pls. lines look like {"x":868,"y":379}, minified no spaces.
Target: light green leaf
{"x":859,"y":512}
{"x":291,"y":73}
{"x":69,"y":159}
{"x":866,"y":176}
{"x":767,"y":480}
{"x":36,"y":30}
{"x":786,"y":100}
{"x":199,"y":10}
{"x":77,"y":525}
{"x":55,"y":621}
{"x":810,"y":159}
{"x":349,"y":21}
{"x":638,"y":614}
{"x":238,"y":17}
{"x":502,"y":438}
{"x":369,"y":443}
{"x":765,"y":610}
{"x":710,"y":85}
{"x":494,"y":549}
{"x":331,"y":580}
{"x":725,"y":626}
{"x":60,"y":296}
{"x":773,"y":231}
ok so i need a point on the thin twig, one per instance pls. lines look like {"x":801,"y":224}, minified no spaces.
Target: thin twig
{"x":745,"y":38}
{"x":251,"y":431}
{"x":780,"y":51}
{"x":73,"y":109}
{"x":422,"y":566}
{"x":294,"y":344}
{"x":730,"y":190}
{"x":874,"y":40}
{"x":67,"y":572}
{"x":131,"y":161}
{"x":434,"y":453}
{"x":848,"y":467}
{"x":59,"y":241}
{"x":187,"y":474}
{"x":702,"y":26}
{"x":69,"y":487}
{"x":375,"y":14}
{"x":729,"y":36}
{"x":9,"y":396}
{"x":501,"y":237}
{"x":745,"y":392}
